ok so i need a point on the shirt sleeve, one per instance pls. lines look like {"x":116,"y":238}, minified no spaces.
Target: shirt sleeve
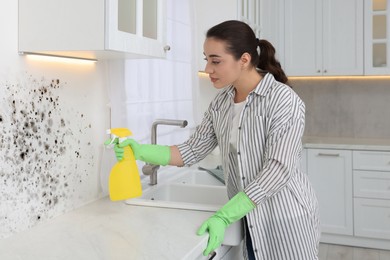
{"x":282,"y":155}
{"x":201,"y":143}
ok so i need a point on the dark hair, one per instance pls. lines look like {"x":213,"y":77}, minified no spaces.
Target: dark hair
{"x":240,"y":38}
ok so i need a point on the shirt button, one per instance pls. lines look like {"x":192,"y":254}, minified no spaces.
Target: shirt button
{"x":238,"y":153}
{"x":239,"y":128}
{"x":251,"y":226}
{"x":243,"y":178}
{"x":255,"y":250}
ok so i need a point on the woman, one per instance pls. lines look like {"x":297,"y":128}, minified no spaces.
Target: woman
{"x":257,"y":121}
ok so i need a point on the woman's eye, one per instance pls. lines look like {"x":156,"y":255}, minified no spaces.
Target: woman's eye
{"x":215,"y":62}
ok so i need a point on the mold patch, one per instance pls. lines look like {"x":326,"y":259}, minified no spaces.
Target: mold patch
{"x":45,"y":153}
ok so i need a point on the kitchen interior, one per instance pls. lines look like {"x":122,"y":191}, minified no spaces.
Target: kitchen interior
{"x":136,"y":61}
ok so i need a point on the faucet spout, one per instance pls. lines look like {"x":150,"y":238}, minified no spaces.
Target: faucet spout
{"x":181,"y":123}
{"x":150,"y":169}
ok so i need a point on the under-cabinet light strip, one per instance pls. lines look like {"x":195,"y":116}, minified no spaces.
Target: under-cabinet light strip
{"x":57,"y":56}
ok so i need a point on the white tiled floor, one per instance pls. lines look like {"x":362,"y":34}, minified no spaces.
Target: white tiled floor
{"x":337,"y":252}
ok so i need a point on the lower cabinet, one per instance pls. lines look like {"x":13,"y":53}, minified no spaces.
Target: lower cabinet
{"x":371,"y":173}
{"x":353,"y":192}
{"x":330,"y":172}
{"x":372,"y":218}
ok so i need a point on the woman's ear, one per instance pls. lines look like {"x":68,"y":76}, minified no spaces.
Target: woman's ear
{"x":245,"y":60}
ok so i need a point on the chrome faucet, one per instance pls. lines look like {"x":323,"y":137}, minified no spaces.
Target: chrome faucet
{"x":151,"y":169}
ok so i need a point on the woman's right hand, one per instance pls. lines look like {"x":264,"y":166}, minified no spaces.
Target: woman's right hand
{"x":134,"y":145}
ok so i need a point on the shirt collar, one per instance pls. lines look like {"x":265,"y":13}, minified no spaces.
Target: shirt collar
{"x":261,"y":89}
{"x":264,"y":85}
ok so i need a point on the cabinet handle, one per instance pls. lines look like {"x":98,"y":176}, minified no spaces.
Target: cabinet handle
{"x":325,"y":71}
{"x":167,"y":48}
{"x":318,"y":71}
{"x":329,"y":154}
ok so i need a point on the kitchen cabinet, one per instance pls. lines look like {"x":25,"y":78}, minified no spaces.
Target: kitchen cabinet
{"x":272,"y":26}
{"x":210,"y":13}
{"x":323,"y":37}
{"x":351,"y":178}
{"x":371,"y":170}
{"x":330,"y":172}
{"x":93,"y":28}
{"x":376,"y":37}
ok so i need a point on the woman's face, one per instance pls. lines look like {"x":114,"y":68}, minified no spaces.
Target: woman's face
{"x":221,"y":66}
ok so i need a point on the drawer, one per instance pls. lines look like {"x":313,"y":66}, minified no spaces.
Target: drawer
{"x":368,"y":160}
{"x":372,"y":218}
{"x":371,"y":184}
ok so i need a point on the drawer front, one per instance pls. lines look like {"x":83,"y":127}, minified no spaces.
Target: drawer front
{"x":372,"y":218}
{"x":371,"y":184}
{"x":367,"y":160}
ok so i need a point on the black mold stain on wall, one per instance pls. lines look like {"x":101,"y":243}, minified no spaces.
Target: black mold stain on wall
{"x":40,"y":151}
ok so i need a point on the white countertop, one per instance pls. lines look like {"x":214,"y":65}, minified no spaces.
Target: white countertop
{"x":346,"y":143}
{"x":111,"y":230}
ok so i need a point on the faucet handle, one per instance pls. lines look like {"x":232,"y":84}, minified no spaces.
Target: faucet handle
{"x":149,"y":169}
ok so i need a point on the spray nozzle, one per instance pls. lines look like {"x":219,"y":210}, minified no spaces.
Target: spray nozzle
{"x":118,"y":135}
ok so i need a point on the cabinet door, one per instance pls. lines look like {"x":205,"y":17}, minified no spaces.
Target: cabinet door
{"x":323,"y":37}
{"x":271,"y":20}
{"x":303,"y":37}
{"x":377,"y":37}
{"x":342,"y":37}
{"x":330,"y":172}
{"x":137,"y":26}
{"x":372,"y":218}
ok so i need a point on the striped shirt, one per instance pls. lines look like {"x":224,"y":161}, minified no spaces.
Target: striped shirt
{"x":284,"y":225}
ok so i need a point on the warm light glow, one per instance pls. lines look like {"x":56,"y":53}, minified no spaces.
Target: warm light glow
{"x":60,"y":59}
{"x":203,"y":74}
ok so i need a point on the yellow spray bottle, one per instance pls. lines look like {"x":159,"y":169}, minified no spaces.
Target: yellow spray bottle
{"x":124,"y":181}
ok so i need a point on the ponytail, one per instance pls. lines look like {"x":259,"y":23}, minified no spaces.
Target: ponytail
{"x":268,"y":62}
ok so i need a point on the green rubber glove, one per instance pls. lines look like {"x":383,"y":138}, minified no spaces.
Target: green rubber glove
{"x":149,"y":153}
{"x":232,"y":211}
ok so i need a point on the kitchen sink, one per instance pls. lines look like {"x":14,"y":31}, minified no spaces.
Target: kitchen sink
{"x":183,"y":196}
{"x":198,"y":177}
{"x":190,"y":190}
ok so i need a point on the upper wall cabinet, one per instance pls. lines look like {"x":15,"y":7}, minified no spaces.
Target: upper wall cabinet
{"x":323,"y":37}
{"x":93,"y":28}
{"x":272,"y":25}
{"x":377,"y":42}
{"x":209,"y":13}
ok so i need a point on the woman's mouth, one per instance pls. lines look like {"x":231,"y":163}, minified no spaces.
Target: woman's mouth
{"x":213,"y":79}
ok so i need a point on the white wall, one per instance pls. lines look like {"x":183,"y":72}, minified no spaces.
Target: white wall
{"x":53,"y":118}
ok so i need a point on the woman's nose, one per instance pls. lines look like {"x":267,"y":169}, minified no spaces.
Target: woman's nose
{"x":207,"y":68}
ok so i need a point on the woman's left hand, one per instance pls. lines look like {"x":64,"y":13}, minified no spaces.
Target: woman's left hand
{"x":216,"y":229}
